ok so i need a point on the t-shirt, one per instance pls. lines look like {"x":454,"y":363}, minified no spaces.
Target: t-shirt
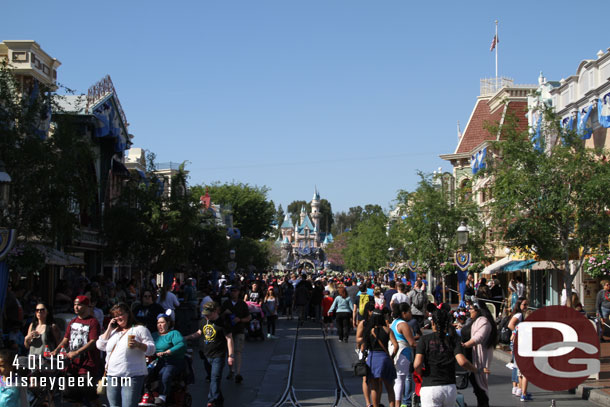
{"x":147,"y":315}
{"x":439,"y":360}
{"x":399,"y":298}
{"x":213,"y":341}
{"x":79,"y":332}
{"x":240,"y":310}
{"x":254,"y":296}
{"x":388,"y":296}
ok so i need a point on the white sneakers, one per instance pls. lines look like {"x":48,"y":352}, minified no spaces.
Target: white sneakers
{"x":516,"y":392}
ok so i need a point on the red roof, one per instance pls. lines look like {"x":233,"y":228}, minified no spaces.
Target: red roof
{"x":476,"y":131}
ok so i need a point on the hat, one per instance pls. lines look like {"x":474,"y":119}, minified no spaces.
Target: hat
{"x":270,"y":288}
{"x":82,"y":300}
{"x":209,"y":307}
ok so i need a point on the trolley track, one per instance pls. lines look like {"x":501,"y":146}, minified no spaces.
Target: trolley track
{"x":310,"y":381}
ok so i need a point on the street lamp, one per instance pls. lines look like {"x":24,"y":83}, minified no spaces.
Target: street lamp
{"x":462,"y":234}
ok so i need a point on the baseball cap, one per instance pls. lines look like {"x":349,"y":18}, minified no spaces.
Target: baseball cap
{"x":209,"y":307}
{"x":82,"y":300}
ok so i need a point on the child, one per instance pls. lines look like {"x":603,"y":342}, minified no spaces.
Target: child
{"x":379,"y":299}
{"x":10,"y":396}
{"x":327,"y":302}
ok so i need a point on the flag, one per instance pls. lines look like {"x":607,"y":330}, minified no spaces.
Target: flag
{"x":493,"y":43}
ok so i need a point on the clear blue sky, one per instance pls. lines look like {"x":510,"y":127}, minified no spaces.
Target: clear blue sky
{"x":353,"y":96}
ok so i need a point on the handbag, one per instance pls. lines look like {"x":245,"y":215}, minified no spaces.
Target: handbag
{"x":461,"y":380}
{"x":101,"y":388}
{"x":361,"y":369}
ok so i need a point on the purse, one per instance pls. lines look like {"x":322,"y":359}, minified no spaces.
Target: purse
{"x":101,"y":384}
{"x":461,"y":380}
{"x":361,"y":369}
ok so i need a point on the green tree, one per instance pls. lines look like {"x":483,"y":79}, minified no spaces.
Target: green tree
{"x":294,"y":209}
{"x":347,"y":220}
{"x":52,"y":177}
{"x":279,"y":219}
{"x":428,"y":232}
{"x":368,"y":243}
{"x":553,"y":200}
{"x":335,"y":252}
{"x":253,"y":213}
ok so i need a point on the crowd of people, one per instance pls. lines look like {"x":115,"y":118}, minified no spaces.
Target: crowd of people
{"x":118,"y":328}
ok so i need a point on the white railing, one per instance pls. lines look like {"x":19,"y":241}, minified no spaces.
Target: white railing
{"x":491,"y":86}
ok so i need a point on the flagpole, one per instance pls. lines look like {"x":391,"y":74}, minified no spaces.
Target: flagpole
{"x":496,"y":54}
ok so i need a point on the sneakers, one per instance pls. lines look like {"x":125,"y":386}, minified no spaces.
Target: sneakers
{"x":516,"y":391}
{"x":238,"y":379}
{"x":230,"y":375}
{"x":526,"y":397}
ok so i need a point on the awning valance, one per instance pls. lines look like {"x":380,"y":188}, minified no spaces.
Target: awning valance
{"x":497,"y":265}
{"x":56,"y":257}
{"x":518,"y":265}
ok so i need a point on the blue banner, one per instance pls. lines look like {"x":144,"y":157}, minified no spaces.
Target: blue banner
{"x":583,"y":116}
{"x":603,"y":110}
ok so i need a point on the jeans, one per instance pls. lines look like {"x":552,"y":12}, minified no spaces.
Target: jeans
{"x":271,"y":324}
{"x":124,"y":396}
{"x":481,"y":395}
{"x":167,"y":371}
{"x":214,"y":394}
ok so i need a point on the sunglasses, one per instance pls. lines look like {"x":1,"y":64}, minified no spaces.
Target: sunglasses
{"x":40,"y":309}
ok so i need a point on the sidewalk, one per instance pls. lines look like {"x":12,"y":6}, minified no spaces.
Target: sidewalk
{"x":594,"y":390}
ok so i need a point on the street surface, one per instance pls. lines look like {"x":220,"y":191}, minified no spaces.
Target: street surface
{"x":266,"y":366}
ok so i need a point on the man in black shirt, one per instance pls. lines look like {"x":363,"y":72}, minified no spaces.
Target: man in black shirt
{"x":237,"y":310}
{"x":216,"y":343}
{"x":146,"y":312}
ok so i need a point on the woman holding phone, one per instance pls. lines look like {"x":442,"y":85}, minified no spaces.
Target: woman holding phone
{"x":126,"y":345}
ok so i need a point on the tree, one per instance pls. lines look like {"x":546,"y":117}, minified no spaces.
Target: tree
{"x":279,"y":219}
{"x":345,"y":221}
{"x":52,"y":177}
{"x":335,"y":252}
{"x":253,"y":214}
{"x":368,"y":243}
{"x":428,"y":232}
{"x":294,"y":209}
{"x":553,"y":199}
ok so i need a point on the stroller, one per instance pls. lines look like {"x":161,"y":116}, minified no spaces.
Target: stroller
{"x":180,"y":397}
{"x":255,"y":327}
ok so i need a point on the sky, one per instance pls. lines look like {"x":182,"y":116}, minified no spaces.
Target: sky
{"x":353,"y":97}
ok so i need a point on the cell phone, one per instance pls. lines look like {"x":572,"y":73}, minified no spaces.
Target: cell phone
{"x":114,"y":324}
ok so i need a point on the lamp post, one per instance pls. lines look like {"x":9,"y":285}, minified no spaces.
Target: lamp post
{"x":462,"y":259}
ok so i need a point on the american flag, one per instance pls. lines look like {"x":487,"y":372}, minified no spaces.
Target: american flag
{"x":493,"y":43}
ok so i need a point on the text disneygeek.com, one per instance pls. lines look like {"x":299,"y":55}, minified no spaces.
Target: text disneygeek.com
{"x":63,"y":382}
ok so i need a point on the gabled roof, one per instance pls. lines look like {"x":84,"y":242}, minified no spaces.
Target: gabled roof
{"x":476,"y":133}
{"x":306,"y":224}
{"x":287,"y":224}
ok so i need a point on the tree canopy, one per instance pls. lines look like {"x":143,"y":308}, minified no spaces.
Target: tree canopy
{"x":253,"y":213}
{"x":553,"y":199}
{"x":427,"y":233}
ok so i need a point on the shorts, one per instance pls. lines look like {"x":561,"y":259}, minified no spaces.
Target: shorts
{"x":238,"y":342}
{"x":605,"y":312}
{"x":328,"y":320}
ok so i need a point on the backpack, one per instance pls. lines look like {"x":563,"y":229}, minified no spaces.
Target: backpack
{"x":504,"y":333}
{"x":419,"y":300}
{"x":364,"y":299}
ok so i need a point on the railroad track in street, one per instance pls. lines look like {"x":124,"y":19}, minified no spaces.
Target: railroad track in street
{"x":314,"y":377}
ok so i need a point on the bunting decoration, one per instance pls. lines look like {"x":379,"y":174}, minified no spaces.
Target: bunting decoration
{"x":8,"y":237}
{"x":477,"y":161}
{"x":583,"y":116}
{"x":603,"y":110}
{"x":537,"y":130}
{"x":412,"y":265}
{"x":462,"y":261}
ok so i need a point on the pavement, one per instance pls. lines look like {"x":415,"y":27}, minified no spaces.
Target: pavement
{"x":266,"y":364}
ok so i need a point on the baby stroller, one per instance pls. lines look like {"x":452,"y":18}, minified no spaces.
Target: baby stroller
{"x":255,"y":327}
{"x":180,"y":397}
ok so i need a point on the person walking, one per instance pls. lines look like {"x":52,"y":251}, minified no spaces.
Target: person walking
{"x":602,"y":305}
{"x":327,"y":318}
{"x":42,"y":332}
{"x":377,"y":336}
{"x":515,"y":318}
{"x":404,"y":357}
{"x":270,"y":307}
{"x":79,"y":340}
{"x":361,"y":345}
{"x":342,"y":306}
{"x":435,"y":358}
{"x":479,"y":338}
{"x":399,"y":296}
{"x":217,"y":346}
{"x":237,"y":310}
{"x":147,"y":310}
{"x":418,"y":300}
{"x":168,"y":300}
{"x":126,"y":345}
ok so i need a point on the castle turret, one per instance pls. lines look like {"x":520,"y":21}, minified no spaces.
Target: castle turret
{"x":315,"y":212}
{"x":303,"y":214}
